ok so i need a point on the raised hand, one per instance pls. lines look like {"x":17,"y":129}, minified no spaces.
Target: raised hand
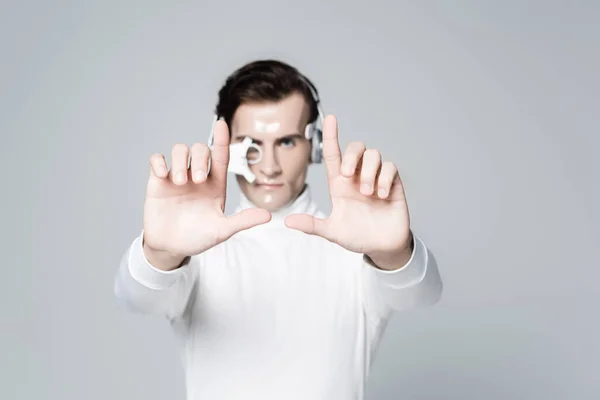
{"x":184,"y":206}
{"x":369,"y":210}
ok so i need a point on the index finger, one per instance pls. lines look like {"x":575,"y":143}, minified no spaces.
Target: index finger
{"x":219,"y":159}
{"x":332,"y":155}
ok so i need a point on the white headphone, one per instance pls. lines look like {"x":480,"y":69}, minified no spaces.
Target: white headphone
{"x":314,"y":130}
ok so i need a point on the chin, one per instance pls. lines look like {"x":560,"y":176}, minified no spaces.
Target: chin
{"x":270,"y":200}
{"x":270,"y":206}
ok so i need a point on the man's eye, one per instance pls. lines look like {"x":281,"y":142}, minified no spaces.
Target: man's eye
{"x":287,"y":142}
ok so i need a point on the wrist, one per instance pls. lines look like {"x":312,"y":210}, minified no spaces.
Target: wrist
{"x":161,"y":259}
{"x":393,"y":259}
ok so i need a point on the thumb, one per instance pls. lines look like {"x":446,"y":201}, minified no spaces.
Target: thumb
{"x":245,"y":219}
{"x":308,"y":224}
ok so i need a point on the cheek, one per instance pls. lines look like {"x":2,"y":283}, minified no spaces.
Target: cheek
{"x":294,"y":164}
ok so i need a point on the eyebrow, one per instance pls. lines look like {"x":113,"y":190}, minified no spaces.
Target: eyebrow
{"x":279,"y":139}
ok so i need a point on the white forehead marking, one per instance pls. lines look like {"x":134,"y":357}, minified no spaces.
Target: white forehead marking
{"x":264,"y":127}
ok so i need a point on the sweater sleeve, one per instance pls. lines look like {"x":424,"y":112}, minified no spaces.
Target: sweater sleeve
{"x":416,"y":284}
{"x":143,"y":288}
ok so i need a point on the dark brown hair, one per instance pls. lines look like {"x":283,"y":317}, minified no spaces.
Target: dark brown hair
{"x":261,"y":81}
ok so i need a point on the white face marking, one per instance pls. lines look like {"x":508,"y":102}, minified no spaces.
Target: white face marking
{"x":264,"y":127}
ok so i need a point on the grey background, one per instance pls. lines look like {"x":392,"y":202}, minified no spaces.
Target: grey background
{"x":489,"y":108}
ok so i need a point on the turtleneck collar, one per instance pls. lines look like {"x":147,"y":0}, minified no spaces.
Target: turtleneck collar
{"x":303,"y":204}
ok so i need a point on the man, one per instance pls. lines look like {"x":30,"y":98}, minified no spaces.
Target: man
{"x":277,"y":301}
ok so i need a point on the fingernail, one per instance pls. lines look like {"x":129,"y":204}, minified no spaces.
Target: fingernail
{"x":180,"y":177}
{"x":366,"y":188}
{"x":382,"y":192}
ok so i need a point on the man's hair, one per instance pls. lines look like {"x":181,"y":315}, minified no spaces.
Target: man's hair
{"x":263,"y":81}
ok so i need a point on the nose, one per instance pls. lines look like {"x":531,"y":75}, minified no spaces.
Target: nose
{"x":269,"y":164}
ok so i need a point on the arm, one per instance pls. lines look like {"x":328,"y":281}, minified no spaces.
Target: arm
{"x":142,"y":287}
{"x":415,"y":283}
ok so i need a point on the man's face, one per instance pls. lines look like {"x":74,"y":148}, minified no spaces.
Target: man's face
{"x":278,"y":129}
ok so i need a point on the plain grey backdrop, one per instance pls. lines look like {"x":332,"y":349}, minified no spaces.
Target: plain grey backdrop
{"x":490,"y":109}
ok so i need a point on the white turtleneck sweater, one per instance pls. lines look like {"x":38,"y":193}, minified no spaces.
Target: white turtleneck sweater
{"x":273,"y":313}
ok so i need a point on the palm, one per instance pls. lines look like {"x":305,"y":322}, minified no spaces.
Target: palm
{"x":185,"y":219}
{"x":363,"y":224}
{"x":188,"y":218}
{"x":358,"y":222}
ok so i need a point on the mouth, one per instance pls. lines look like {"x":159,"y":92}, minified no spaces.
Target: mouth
{"x":269,"y":186}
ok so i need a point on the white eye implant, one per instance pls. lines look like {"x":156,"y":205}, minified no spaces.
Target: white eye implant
{"x":241,"y":156}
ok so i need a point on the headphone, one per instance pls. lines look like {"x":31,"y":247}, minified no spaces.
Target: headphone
{"x":313,"y":131}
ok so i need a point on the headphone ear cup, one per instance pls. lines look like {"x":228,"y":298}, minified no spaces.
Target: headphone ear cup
{"x":317,"y":147}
